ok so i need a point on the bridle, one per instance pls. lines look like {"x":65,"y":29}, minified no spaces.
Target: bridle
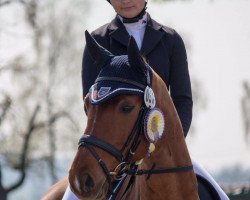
{"x":120,"y":171}
{"x":125,"y":167}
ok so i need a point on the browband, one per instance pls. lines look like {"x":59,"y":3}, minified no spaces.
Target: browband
{"x":123,"y":80}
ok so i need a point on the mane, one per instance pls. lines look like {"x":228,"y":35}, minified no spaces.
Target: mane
{"x":173,"y":136}
{"x":166,"y":105}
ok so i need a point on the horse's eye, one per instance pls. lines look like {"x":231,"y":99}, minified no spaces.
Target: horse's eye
{"x":127,"y":108}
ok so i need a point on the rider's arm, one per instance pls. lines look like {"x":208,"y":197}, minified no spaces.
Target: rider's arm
{"x":180,"y":86}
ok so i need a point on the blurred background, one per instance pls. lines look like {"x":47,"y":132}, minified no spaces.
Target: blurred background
{"x":41,"y":109}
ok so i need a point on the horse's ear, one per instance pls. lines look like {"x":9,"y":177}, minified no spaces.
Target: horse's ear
{"x":134,"y":57}
{"x":98,"y":53}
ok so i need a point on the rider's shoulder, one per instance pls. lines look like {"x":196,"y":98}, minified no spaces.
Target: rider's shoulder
{"x":101,"y":34}
{"x":100,"y":31}
{"x":169,"y":32}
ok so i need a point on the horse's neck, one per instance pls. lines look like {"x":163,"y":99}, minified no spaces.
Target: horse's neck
{"x":171,"y":151}
{"x":174,"y":186}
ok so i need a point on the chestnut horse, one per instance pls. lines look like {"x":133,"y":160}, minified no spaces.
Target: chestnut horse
{"x":133,"y":146}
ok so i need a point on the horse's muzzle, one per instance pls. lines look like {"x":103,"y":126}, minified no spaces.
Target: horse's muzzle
{"x":88,"y":184}
{"x":82,"y":186}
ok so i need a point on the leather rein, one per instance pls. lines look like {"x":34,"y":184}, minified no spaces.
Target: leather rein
{"x":125,"y":167}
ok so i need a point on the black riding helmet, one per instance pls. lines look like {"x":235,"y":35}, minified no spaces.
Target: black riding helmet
{"x":136,"y":18}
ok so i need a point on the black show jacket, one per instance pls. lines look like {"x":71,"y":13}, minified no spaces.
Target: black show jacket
{"x":164,"y":51}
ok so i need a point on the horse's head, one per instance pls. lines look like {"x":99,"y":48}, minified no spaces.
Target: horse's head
{"x":123,"y":121}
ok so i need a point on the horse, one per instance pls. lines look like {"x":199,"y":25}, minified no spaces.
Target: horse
{"x":133,"y":134}
{"x":133,"y":146}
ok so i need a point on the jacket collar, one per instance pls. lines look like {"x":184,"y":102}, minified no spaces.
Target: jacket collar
{"x":118,"y":31}
{"x":152,"y":35}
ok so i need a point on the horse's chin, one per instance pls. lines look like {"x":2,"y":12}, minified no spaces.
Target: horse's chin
{"x":101,"y":194}
{"x":98,"y":193}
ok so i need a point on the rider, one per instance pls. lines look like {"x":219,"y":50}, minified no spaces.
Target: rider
{"x":161,"y":46}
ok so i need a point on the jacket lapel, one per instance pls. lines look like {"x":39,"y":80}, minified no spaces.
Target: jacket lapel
{"x":152,"y":36}
{"x":118,"y":32}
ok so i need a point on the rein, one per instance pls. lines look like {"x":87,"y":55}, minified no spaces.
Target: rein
{"x":159,"y":171}
{"x":125,"y":167}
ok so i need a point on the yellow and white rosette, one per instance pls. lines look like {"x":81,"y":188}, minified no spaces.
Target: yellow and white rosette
{"x":154,"y":125}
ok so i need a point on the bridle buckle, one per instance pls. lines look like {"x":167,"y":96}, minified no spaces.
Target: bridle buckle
{"x":120,"y":171}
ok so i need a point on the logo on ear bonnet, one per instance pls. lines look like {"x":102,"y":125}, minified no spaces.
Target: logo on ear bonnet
{"x":154,"y":125}
{"x":149,"y":97}
{"x":103,"y":91}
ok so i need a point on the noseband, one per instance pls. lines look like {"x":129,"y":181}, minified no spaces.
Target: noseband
{"x":125,"y":167}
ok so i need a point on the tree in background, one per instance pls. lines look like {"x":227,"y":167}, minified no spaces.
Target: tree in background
{"x":22,"y":163}
{"x":245,"y":105}
{"x":38,"y":111}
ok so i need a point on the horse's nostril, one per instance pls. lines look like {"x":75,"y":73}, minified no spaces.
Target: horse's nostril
{"x":88,"y":183}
